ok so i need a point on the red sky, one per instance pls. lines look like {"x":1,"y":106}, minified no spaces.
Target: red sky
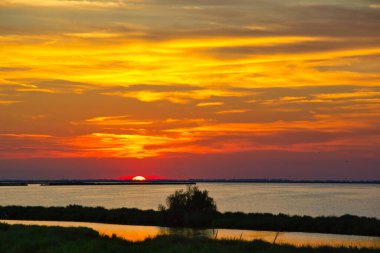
{"x":190,"y":89}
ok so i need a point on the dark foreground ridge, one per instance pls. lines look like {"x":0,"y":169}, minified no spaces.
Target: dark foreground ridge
{"x":36,"y":239}
{"x":347,"y":224}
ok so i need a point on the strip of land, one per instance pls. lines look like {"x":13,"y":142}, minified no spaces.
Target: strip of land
{"x":95,"y":182}
{"x":120,"y":183}
{"x":347,"y":224}
{"x":13,"y":184}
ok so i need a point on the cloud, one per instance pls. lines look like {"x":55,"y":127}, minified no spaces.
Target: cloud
{"x":232,"y":111}
{"x":174,"y":94}
{"x":5,"y":69}
{"x":71,"y":3}
{"x":32,"y":136}
{"x":8,"y":102}
{"x":203,"y":104}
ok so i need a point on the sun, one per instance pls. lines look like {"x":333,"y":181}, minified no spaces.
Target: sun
{"x":139,"y":178}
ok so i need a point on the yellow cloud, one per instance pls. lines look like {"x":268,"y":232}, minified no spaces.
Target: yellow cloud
{"x":180,"y":97}
{"x":234,"y":42}
{"x":9,"y":102}
{"x":115,"y":121}
{"x":94,"y":35}
{"x":358,"y":94}
{"x":232,"y":111}
{"x":68,"y":3}
{"x":203,"y":104}
{"x":33,"y":136}
{"x":120,"y":145}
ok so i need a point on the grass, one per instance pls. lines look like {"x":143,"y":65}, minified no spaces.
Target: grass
{"x":39,"y":239}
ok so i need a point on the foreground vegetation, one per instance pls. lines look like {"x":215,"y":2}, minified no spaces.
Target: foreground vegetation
{"x":346,"y":224}
{"x":37,"y":239}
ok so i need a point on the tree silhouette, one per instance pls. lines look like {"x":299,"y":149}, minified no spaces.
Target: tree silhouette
{"x":193,"y":208}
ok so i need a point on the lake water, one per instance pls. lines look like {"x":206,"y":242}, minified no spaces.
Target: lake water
{"x":139,"y":233}
{"x":302,"y":199}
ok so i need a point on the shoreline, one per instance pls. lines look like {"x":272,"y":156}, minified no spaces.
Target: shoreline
{"x":90,"y":182}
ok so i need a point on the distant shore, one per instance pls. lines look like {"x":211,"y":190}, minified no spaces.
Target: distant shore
{"x":12,"y":184}
{"x":89,"y":182}
{"x":120,"y":183}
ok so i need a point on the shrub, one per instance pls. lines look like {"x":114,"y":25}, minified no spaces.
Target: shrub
{"x":191,"y":208}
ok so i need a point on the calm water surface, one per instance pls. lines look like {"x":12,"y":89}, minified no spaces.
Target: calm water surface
{"x":139,"y":233}
{"x":302,"y":199}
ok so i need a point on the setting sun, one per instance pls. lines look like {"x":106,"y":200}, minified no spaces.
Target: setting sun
{"x":139,"y":178}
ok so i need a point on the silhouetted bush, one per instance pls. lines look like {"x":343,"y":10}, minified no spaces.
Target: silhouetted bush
{"x":190,"y":208}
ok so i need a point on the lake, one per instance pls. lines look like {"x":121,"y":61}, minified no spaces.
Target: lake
{"x":302,"y":199}
{"x":139,"y":233}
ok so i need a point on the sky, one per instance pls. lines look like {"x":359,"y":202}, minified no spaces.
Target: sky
{"x":281,"y":89}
